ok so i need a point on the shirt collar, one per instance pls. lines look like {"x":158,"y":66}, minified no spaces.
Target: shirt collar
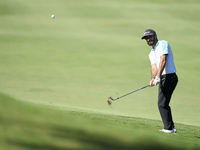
{"x":153,"y":49}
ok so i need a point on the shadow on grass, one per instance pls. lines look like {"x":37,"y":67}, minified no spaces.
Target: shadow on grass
{"x":94,"y":141}
{"x":108,"y":142}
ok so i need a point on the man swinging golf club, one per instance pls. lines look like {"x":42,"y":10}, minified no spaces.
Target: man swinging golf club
{"x":163,"y":71}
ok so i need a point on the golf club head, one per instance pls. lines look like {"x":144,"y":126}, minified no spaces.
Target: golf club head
{"x":109,"y":102}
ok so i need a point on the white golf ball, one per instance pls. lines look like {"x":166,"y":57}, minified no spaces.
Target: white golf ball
{"x":52,"y":16}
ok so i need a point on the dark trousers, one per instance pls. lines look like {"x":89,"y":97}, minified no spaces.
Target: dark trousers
{"x":166,"y":87}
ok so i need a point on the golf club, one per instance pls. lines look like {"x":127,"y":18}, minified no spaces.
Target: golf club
{"x":109,"y":102}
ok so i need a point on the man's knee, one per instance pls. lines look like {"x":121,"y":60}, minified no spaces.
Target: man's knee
{"x":163,"y":104}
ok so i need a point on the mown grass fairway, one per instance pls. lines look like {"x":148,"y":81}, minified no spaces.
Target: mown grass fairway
{"x":59,"y":72}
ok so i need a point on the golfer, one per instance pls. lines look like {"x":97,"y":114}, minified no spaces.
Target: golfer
{"x":163,"y":71}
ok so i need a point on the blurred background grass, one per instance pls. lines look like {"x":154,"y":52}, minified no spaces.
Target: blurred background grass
{"x":93,"y":49}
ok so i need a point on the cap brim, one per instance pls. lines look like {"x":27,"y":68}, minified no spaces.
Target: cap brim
{"x":143,"y":37}
{"x":147,"y":35}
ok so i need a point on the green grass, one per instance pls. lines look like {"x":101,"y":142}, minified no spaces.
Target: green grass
{"x":69,"y":65}
{"x":24,"y":126}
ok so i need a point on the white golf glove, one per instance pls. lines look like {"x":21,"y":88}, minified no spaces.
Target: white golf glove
{"x":156,"y":81}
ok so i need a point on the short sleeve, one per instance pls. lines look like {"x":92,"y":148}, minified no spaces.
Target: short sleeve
{"x":164,"y":47}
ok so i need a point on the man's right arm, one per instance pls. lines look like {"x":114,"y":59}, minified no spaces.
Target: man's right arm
{"x":153,"y":73}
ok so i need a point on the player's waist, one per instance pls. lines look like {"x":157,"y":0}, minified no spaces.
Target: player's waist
{"x":168,"y":75}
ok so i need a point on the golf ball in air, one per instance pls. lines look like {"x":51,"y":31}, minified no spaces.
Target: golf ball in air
{"x":52,"y":16}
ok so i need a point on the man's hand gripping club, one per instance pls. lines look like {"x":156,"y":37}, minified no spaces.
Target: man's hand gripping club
{"x":154,"y":81}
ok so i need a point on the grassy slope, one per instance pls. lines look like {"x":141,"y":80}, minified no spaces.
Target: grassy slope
{"x":24,"y":126}
{"x":90,"y":51}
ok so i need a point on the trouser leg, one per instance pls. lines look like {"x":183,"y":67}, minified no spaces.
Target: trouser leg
{"x":166,"y":87}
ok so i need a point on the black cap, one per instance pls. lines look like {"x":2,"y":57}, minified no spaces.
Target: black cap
{"x":148,"y":32}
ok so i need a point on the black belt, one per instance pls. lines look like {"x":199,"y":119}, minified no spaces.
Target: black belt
{"x":165,"y":75}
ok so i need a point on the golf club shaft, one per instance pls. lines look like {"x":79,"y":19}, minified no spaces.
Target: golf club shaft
{"x":130,"y":93}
